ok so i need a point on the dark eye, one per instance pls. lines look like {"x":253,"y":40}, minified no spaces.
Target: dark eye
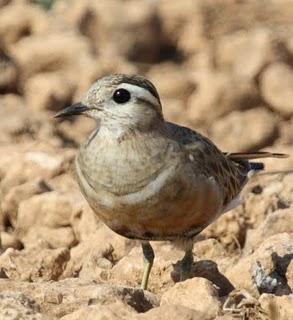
{"x":121,"y":96}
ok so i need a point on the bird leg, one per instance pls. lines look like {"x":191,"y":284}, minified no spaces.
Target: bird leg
{"x":186,"y":263}
{"x":148,"y":260}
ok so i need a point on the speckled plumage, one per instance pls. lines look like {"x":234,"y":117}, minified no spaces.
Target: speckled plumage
{"x":150,"y":179}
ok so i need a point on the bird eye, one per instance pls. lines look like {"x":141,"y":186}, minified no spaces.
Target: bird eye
{"x":121,"y":96}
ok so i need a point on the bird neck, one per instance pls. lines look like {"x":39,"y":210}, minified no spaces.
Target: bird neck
{"x":119,"y":130}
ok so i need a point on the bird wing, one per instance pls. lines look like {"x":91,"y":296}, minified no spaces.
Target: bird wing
{"x":230,"y":170}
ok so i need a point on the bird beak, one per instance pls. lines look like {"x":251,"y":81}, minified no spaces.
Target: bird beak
{"x":73,"y":110}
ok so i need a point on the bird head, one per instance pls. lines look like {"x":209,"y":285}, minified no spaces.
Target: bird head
{"x":128,"y":101}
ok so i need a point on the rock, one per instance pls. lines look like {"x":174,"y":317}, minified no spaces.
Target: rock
{"x":17,"y":194}
{"x":93,"y":257}
{"x":265,"y":194}
{"x":19,"y":20}
{"x":129,"y":269}
{"x":165,"y":271}
{"x":85,"y":127}
{"x":141,"y":38}
{"x":242,"y":16}
{"x":257,"y":207}
{"x":209,"y":270}
{"x":19,"y":306}
{"x":51,"y":52}
{"x":50,"y":91}
{"x":229,"y":229}
{"x":96,"y":266}
{"x":178,"y":84}
{"x":67,"y":296}
{"x":22,"y":127}
{"x":33,"y":265}
{"x":28,"y":162}
{"x":197,"y":293}
{"x":233,"y":52}
{"x":211,"y":261}
{"x":289,"y":44}
{"x":8,"y":73}
{"x":50,"y":209}
{"x":96,"y":253}
{"x":276,"y":222}
{"x":209,"y":249}
{"x":95,"y":68}
{"x":45,"y":237}
{"x":289,"y":274}
{"x":286,"y":128}
{"x":192,"y":39}
{"x":173,"y":111}
{"x":169,"y":311}
{"x":265,"y":269}
{"x":66,"y":181}
{"x":9,"y":240}
{"x":241,"y":304}
{"x":137,"y":38}
{"x":217,"y":94}
{"x":85,"y":223}
{"x":277,"y":307}
{"x":230,"y":132}
{"x":286,"y":164}
{"x":113,"y":311}
{"x":14,"y":117}
{"x":225,"y":317}
{"x":90,"y":261}
{"x":175,"y":18}
{"x":276,"y":84}
{"x":204,"y":60}
{"x":121,"y":245}
{"x":4,"y":3}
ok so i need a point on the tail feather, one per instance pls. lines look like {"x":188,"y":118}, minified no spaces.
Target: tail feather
{"x":254,"y":155}
{"x":256,"y":166}
{"x":244,"y":157}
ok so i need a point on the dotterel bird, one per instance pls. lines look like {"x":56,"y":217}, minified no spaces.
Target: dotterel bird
{"x":150,"y":179}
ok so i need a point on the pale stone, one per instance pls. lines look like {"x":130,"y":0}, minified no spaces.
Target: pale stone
{"x":277,"y":307}
{"x":276,"y":87}
{"x":198,"y":294}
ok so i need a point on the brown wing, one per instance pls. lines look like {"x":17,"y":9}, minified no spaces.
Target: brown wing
{"x":229,"y":169}
{"x":230,"y":175}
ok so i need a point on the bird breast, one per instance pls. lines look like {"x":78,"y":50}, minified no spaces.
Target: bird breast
{"x":140,"y":188}
{"x":123,"y":167}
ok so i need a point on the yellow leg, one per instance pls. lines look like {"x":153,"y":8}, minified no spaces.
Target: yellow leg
{"x":148,"y":260}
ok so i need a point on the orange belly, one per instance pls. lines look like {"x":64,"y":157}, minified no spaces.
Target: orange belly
{"x":178,"y":213}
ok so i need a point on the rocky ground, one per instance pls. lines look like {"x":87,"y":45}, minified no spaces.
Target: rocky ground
{"x":224,"y":67}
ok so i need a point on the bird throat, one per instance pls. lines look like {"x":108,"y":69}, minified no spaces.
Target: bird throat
{"x":124,"y":128}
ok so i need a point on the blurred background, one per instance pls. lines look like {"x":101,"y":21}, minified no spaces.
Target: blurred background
{"x":223,"y":67}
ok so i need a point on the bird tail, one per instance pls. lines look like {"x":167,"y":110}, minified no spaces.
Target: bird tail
{"x":254,"y":155}
{"x":254,"y":166}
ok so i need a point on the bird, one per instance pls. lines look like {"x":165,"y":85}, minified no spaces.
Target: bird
{"x":149,"y":179}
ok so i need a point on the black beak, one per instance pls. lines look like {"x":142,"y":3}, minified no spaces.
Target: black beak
{"x":73,"y":110}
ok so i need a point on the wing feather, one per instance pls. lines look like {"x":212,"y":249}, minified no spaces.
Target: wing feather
{"x":230,"y":170}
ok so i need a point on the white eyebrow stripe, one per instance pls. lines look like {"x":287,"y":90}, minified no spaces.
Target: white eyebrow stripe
{"x":141,"y":93}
